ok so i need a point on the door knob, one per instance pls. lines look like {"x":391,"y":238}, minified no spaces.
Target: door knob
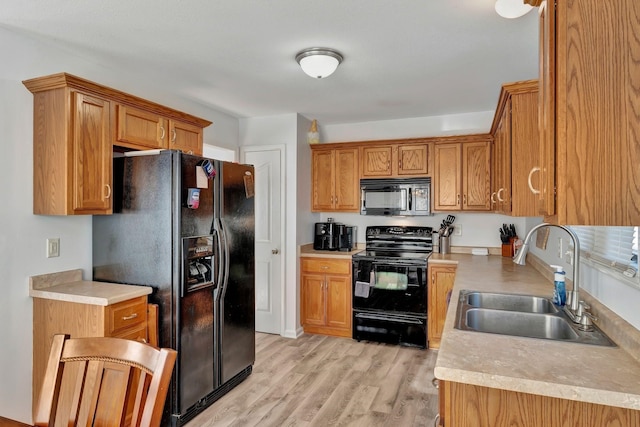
{"x":275,"y":251}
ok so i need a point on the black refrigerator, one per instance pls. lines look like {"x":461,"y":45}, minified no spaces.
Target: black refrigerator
{"x":184,"y":225}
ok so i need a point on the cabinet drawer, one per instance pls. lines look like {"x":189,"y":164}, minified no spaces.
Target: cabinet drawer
{"x":137,"y":334}
{"x":323,"y":265}
{"x":127,"y":314}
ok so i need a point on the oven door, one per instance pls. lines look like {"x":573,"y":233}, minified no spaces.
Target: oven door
{"x":398,"y":286}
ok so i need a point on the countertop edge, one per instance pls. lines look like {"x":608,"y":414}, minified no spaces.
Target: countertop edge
{"x":90,"y":292}
{"x":529,"y":386}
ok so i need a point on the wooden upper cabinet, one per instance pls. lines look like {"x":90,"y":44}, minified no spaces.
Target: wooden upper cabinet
{"x":448,"y":175}
{"x":462,"y":174}
{"x":377,"y":161}
{"x":76,"y":125}
{"x":335,"y":182}
{"x":140,"y":128}
{"x":185,"y":137}
{"x":516,"y":142}
{"x":322,"y":180}
{"x":395,"y":160}
{"x":590,"y":111}
{"x":71,"y":153}
{"x":91,"y":177}
{"x":476,"y":176}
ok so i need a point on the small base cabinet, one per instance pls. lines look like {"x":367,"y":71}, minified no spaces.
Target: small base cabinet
{"x":326,"y":296}
{"x":441,"y":278}
{"x":466,"y":405}
{"x":126,"y":319}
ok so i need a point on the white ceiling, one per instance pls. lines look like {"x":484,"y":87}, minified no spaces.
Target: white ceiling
{"x":403,"y":58}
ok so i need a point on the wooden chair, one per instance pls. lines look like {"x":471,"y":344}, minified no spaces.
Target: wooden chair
{"x":119,"y":380}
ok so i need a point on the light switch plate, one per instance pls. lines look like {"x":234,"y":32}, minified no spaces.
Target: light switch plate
{"x":53,"y":247}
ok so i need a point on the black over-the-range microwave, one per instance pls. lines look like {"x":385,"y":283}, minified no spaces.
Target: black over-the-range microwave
{"x":395,"y":196}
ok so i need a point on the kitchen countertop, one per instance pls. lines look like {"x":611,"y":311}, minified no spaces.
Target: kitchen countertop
{"x":308,"y":251}
{"x":581,"y":372}
{"x":68,"y":286}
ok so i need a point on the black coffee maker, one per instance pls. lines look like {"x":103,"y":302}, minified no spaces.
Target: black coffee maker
{"x":346,"y":237}
{"x":326,"y":236}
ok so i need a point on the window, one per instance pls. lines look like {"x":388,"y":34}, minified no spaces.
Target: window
{"x":613,"y":247}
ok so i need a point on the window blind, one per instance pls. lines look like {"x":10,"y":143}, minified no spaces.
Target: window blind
{"x":610,"y":246}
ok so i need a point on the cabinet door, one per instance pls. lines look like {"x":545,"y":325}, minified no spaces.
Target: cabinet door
{"x":413,"y":160}
{"x":547,"y":108}
{"x":376,"y":161}
{"x":91,"y":155}
{"x":338,"y":295}
{"x":447,"y":171}
{"x":525,"y":153}
{"x":476,"y":178}
{"x":347,"y":182}
{"x":313,"y":299}
{"x":185,"y":137}
{"x":502,"y":174}
{"x":322,"y":181}
{"x":140,"y":128}
{"x":442,"y":278}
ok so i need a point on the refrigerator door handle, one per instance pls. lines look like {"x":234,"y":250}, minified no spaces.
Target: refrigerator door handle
{"x":225,"y":248}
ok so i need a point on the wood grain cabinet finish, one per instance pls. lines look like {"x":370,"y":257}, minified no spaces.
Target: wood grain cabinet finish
{"x":465,"y":405}
{"x":77,"y":124}
{"x":71,"y":153}
{"x":335,"y":182}
{"x":139,"y":128}
{"x":395,"y":160}
{"x":126,"y":319}
{"x":441,"y":279}
{"x":516,"y":150}
{"x":589,"y":109}
{"x":326,"y":296}
{"x":462,"y":175}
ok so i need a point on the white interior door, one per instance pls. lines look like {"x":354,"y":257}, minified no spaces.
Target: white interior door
{"x":269,"y":185}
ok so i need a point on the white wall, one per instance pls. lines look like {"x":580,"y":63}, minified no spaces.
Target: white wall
{"x":23,"y":235}
{"x":282,"y":130}
{"x":456,"y":124}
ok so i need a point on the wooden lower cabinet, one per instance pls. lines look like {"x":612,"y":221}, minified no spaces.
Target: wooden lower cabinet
{"x":326,"y":296}
{"x":441,"y":278}
{"x":465,"y":405}
{"x":126,"y":319}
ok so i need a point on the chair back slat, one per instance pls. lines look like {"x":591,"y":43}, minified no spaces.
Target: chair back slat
{"x":117,"y":382}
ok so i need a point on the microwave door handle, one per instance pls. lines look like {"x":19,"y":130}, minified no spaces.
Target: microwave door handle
{"x":410,"y":199}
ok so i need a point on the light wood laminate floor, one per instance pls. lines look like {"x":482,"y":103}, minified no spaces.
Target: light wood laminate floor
{"x":325,"y":381}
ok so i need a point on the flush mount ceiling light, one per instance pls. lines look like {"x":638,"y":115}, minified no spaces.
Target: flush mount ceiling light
{"x":512,"y":8}
{"x":319,"y":62}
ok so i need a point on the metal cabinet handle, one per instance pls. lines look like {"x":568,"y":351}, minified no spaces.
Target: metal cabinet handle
{"x":436,"y":420}
{"x":464,"y":200}
{"x":458,"y":199}
{"x":493,"y":200}
{"x":108,"y":196}
{"x":162,"y":135}
{"x":132,"y":316}
{"x":531,"y":172}
{"x":173,"y":136}
{"x":500,"y":199}
{"x":275,"y":251}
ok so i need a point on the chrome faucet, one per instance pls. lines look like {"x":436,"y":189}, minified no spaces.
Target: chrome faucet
{"x":573,"y":310}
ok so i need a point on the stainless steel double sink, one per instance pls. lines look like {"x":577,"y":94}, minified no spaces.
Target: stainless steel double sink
{"x":521,"y":315}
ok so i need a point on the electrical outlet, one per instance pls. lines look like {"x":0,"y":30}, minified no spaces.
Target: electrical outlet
{"x":53,"y":247}
{"x":457,"y":230}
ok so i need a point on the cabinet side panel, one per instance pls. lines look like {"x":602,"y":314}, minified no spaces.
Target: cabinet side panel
{"x":50,"y":153}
